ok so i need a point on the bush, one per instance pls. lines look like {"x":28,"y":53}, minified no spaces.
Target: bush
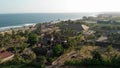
{"x":32,"y":38}
{"x":114,"y":61}
{"x":58,"y":50}
{"x":109,"y":48}
{"x":97,"y":55}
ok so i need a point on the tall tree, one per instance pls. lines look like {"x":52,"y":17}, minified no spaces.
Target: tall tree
{"x":32,"y":38}
{"x":57,"y":50}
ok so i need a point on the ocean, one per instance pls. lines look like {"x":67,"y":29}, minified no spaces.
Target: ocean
{"x":8,"y":21}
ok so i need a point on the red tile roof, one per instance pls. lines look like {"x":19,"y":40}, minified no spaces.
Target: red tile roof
{"x":5,"y":54}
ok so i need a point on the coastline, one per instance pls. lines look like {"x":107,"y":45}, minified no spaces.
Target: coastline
{"x":56,"y":18}
{"x":27,"y":26}
{"x":16,"y":28}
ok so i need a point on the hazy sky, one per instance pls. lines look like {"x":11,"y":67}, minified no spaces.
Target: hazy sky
{"x":53,"y":6}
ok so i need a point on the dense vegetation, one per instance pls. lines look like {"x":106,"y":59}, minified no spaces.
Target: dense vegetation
{"x":107,"y":57}
{"x":41,"y":46}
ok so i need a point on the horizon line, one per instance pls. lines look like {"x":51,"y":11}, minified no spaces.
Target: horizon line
{"x":58,"y":12}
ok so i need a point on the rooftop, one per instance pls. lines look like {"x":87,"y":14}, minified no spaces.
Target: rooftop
{"x":5,"y":54}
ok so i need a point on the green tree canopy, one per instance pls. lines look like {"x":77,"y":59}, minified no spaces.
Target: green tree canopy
{"x":32,"y":38}
{"x":58,"y":50}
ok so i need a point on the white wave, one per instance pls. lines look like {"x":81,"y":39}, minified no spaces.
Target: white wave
{"x":17,"y":26}
{"x":94,"y":14}
{"x":29,"y":24}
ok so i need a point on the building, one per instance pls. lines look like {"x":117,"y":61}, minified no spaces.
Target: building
{"x":85,"y":27}
{"x":102,"y":39}
{"x":89,"y":32}
{"x":6,"y":56}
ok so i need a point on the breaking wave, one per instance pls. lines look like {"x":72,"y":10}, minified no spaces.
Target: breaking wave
{"x":17,"y":26}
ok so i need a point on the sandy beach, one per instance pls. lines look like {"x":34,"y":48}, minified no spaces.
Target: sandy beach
{"x":22,"y":28}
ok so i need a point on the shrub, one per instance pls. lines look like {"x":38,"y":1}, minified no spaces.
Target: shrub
{"x":109,"y":48}
{"x":57,"y":50}
{"x":32,"y":38}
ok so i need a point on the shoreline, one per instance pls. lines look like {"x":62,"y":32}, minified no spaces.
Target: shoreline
{"x":28,"y":25}
{"x":23,"y":28}
{"x":16,"y":27}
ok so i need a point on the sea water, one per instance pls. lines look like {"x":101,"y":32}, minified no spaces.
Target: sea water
{"x":24,"y":19}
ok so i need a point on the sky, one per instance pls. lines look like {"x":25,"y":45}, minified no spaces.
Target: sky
{"x":58,"y":6}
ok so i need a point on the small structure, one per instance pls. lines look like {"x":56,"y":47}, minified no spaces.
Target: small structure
{"x":85,"y":27}
{"x":89,"y":32}
{"x":5,"y":56}
{"x":102,"y":38}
